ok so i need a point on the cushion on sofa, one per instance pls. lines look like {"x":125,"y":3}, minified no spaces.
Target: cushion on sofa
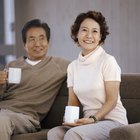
{"x":130,"y":96}
{"x":128,"y":132}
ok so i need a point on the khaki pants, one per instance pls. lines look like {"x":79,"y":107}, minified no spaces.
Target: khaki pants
{"x":15,"y":123}
{"x":95,"y":131}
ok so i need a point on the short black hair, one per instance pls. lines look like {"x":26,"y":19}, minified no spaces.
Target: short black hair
{"x":35,"y":23}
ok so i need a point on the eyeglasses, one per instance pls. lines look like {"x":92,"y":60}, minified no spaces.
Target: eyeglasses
{"x":34,"y":40}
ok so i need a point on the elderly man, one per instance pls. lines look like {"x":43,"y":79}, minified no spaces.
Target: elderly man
{"x":24,"y":105}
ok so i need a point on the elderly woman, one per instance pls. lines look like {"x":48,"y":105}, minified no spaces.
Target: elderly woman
{"x":93,"y":81}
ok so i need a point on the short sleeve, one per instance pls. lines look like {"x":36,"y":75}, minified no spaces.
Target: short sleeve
{"x":111,"y":70}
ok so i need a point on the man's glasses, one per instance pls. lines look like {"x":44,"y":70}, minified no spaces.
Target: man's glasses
{"x":34,"y":40}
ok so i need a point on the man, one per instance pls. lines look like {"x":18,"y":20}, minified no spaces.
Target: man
{"x":24,"y":105}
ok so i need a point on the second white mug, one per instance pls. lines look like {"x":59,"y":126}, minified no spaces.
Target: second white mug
{"x":71,"y":114}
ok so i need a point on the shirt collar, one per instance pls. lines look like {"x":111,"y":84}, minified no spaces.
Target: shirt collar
{"x":91,"y":57}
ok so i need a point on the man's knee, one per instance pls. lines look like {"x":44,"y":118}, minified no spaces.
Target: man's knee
{"x":5,"y":124}
{"x":4,"y":120}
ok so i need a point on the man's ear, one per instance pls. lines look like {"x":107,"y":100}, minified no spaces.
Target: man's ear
{"x":25,"y":47}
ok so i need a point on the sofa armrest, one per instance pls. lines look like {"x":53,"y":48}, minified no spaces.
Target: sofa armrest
{"x":127,"y":132}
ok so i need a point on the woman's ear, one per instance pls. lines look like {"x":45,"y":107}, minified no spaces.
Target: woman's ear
{"x":100,"y":42}
{"x":100,"y":37}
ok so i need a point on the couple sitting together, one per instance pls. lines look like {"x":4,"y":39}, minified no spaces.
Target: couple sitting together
{"x":93,"y":81}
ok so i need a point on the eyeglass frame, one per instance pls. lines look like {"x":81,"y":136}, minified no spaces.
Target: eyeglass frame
{"x":33,"y":40}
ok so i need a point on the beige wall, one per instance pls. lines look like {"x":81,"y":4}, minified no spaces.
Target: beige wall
{"x":122,"y":16}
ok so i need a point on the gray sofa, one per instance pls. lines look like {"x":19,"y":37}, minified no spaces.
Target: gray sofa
{"x":130,"y":94}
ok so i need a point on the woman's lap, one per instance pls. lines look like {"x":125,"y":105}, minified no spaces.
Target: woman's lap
{"x":95,"y":131}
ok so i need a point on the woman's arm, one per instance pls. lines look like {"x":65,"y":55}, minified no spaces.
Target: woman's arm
{"x":72,"y":99}
{"x":111,"y":91}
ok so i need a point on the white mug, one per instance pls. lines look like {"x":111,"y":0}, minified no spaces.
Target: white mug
{"x":14,"y":75}
{"x":71,"y":114}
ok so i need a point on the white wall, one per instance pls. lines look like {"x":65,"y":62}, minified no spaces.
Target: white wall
{"x":122,"y":16}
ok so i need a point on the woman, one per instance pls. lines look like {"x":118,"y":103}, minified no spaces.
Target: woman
{"x":93,"y":81}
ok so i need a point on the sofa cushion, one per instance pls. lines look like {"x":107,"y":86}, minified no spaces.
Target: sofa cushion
{"x":128,"y":132}
{"x":130,"y":95}
{"x":130,"y":86}
{"x":55,"y":115}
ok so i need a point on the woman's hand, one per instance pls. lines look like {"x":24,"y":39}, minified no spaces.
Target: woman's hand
{"x":79,"y":122}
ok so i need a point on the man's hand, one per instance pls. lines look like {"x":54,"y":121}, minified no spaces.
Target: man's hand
{"x":3,"y":77}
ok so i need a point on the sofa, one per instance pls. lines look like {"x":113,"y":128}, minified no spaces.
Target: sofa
{"x":130,"y":96}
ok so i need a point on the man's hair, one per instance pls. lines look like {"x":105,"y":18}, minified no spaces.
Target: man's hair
{"x":35,"y":23}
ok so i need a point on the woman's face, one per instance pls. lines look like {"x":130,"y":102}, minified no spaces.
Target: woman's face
{"x":89,"y":35}
{"x":36,"y":44}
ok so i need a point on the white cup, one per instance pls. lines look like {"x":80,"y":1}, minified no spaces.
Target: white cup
{"x":14,"y":75}
{"x":71,"y":114}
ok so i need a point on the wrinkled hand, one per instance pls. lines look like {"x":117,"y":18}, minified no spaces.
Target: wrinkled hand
{"x":79,"y":122}
{"x":3,"y":77}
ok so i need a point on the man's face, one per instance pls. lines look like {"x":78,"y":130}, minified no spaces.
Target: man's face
{"x":36,"y":44}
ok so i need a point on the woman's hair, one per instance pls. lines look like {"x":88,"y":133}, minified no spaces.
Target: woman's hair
{"x":98,"y":17}
{"x":35,"y":23}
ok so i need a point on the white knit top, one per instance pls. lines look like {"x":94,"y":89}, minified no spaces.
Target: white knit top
{"x":87,"y":75}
